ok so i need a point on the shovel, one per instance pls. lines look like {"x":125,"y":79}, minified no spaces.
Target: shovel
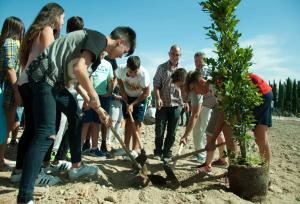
{"x":177,"y":157}
{"x":144,"y":177}
{"x":178,"y":153}
{"x":101,"y":111}
{"x":169,"y":171}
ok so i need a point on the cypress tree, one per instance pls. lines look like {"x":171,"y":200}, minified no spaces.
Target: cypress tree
{"x":280,"y":97}
{"x":294,"y":98}
{"x":288,"y":96}
{"x":298,"y":93}
{"x":274,"y":90}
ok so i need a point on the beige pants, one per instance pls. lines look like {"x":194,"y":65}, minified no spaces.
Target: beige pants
{"x":199,"y":134}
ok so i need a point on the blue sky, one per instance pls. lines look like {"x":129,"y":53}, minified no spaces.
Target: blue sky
{"x":271,"y":27}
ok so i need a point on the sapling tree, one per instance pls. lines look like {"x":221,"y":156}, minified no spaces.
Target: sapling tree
{"x":230,"y":72}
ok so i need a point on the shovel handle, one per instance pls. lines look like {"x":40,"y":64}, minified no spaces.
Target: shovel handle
{"x":180,"y":149}
{"x":193,"y":153}
{"x":178,"y":153}
{"x":99,"y":112}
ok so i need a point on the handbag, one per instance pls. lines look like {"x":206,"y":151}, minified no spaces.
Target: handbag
{"x":149,"y":118}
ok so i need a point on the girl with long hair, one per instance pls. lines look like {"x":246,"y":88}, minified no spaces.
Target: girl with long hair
{"x":42,"y":32}
{"x":11,"y":36}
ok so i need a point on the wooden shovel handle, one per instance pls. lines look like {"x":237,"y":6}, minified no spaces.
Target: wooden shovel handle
{"x":178,"y":153}
{"x":180,"y":149}
{"x":193,"y":153}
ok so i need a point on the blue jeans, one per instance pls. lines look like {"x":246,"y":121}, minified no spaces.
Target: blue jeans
{"x":67,"y":104}
{"x":44,"y":115}
{"x":28,"y":132}
{"x":166,"y":116}
{"x":45,"y":99}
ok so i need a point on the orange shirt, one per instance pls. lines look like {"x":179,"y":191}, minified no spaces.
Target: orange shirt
{"x":263,"y":86}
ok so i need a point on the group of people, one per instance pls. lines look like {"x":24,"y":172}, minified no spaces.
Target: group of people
{"x":75,"y":79}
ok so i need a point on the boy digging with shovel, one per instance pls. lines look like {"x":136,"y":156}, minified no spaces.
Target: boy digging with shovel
{"x":134,"y":85}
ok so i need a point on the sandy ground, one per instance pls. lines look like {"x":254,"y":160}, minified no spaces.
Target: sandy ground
{"x":113,"y":184}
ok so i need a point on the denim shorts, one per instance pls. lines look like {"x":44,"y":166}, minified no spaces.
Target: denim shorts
{"x":138,"y":110}
{"x":263,"y":112}
{"x":90,"y":115}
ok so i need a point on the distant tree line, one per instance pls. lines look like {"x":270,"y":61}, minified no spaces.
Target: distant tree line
{"x":286,"y":97}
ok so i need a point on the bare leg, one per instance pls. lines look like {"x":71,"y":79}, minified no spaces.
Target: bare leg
{"x":221,"y":149}
{"x":209,"y":154}
{"x":15,"y":131}
{"x":262,"y":142}
{"x":10,"y":118}
{"x":135,"y":144}
{"x":84,"y":132}
{"x":128,"y":131}
{"x":95,"y":134}
{"x":230,"y":144}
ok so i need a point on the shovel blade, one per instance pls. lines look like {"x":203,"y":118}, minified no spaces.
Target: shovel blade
{"x":157,"y":180}
{"x":142,"y":158}
{"x":171,"y":176}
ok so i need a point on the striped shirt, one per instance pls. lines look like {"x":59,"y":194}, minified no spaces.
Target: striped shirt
{"x":170,"y":94}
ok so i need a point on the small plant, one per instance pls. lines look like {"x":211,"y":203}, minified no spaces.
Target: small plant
{"x":236,"y":93}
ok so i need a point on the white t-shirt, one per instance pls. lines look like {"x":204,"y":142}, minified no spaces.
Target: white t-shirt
{"x":133,"y":85}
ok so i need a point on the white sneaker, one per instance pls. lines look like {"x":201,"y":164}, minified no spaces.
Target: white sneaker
{"x":62,"y":165}
{"x":83,"y":170}
{"x":44,"y":179}
{"x":133,"y":153}
{"x":16,"y":176}
{"x":10,"y":163}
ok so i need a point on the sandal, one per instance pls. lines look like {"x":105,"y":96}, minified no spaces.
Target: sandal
{"x":203,"y":168}
{"x":219,"y":162}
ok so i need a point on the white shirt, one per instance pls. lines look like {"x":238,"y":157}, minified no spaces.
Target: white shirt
{"x":133,"y":85}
